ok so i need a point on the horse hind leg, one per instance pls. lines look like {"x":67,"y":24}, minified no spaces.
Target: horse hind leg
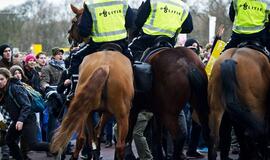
{"x":79,"y":144}
{"x":177,"y":128}
{"x":122,"y":129}
{"x":214,"y":125}
{"x":249,"y":149}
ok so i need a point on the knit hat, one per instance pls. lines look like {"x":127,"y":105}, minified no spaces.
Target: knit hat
{"x":55,"y":50}
{"x":2,"y":48}
{"x":16,"y":68}
{"x":29,"y":57}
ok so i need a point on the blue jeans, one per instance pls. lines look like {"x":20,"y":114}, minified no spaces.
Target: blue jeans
{"x":52,"y":125}
{"x":109,"y":129}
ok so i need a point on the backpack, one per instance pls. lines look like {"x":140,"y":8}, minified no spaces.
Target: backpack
{"x":37,"y":102}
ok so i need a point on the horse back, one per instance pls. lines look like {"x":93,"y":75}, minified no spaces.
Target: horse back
{"x":120,"y":65}
{"x":173,"y":70}
{"x":120,"y":80}
{"x":239,"y":83}
{"x":176,"y":59}
{"x":252,"y":71}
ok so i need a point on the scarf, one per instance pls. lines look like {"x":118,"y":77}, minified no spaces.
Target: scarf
{"x":57,"y":63}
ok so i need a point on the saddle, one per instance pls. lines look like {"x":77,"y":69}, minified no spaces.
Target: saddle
{"x":111,"y":47}
{"x":160,"y":43}
{"x":142,"y":70}
{"x":256,"y":46}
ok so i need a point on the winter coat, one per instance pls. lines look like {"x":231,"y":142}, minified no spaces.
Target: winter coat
{"x":23,"y":111}
{"x":33,"y":78}
{"x":51,"y":74}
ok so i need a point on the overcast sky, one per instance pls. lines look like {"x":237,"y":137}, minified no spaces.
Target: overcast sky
{"x":135,"y":3}
{"x":5,"y":3}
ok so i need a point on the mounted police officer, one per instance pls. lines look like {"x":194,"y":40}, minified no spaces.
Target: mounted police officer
{"x":249,"y":19}
{"x":102,"y":21}
{"x":159,"y":18}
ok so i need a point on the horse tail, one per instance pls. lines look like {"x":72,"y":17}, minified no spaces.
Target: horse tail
{"x":87,"y":97}
{"x":237,"y":110}
{"x":199,"y":82}
{"x":229,"y":84}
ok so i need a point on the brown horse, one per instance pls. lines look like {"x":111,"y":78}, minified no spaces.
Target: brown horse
{"x":239,"y":84}
{"x":105,"y":84}
{"x":178,"y":77}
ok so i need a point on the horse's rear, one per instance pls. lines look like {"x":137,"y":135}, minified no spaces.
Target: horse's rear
{"x":239,"y":85}
{"x":105,"y":84}
{"x":179,"y":77}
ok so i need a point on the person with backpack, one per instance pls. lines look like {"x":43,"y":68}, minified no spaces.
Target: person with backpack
{"x":22,"y":116}
{"x":37,"y":105}
{"x":6,"y":61}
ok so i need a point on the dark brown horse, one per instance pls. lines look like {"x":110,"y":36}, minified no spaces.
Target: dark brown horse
{"x":178,"y":78}
{"x":105,"y":84}
{"x":239,"y":84}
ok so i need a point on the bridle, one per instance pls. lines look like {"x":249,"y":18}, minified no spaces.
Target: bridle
{"x":74,"y":41}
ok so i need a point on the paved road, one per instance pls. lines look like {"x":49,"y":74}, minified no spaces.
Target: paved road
{"x":107,"y":154}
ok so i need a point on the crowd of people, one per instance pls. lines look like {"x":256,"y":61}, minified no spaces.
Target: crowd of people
{"x":46,"y":72}
{"x":26,"y":126}
{"x":49,"y":72}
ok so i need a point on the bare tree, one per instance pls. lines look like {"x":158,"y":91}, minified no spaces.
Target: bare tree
{"x":217,"y":8}
{"x":37,"y":21}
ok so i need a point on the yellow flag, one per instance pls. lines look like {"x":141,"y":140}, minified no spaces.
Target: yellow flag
{"x":218,"y":48}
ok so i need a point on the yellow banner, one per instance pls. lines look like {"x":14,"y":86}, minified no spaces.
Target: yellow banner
{"x":36,"y":48}
{"x":218,"y":48}
{"x":65,"y":49}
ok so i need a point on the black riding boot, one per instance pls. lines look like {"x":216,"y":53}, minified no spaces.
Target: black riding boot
{"x":74,"y":81}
